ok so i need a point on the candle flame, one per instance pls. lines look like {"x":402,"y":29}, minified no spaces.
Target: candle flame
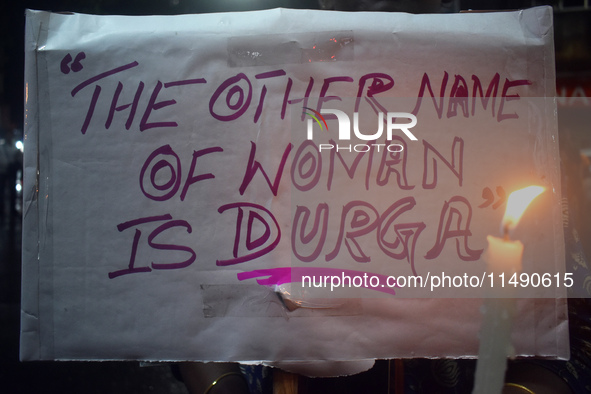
{"x":516,"y":205}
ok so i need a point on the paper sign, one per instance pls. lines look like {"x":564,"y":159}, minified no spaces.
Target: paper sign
{"x":196,"y":186}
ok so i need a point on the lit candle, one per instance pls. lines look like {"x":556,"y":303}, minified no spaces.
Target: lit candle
{"x":503,"y":257}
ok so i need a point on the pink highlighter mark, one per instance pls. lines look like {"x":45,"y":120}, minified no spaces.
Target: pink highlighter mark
{"x":279,"y":276}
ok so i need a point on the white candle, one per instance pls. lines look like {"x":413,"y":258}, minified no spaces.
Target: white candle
{"x":503,"y":257}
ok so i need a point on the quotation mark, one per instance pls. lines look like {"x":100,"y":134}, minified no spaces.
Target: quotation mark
{"x":489,"y":197}
{"x":76,"y":65}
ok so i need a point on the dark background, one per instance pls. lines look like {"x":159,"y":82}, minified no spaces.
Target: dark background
{"x":573,"y":55}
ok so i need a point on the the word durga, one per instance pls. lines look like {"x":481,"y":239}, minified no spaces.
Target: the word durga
{"x":257,"y":232}
{"x":241,"y":95}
